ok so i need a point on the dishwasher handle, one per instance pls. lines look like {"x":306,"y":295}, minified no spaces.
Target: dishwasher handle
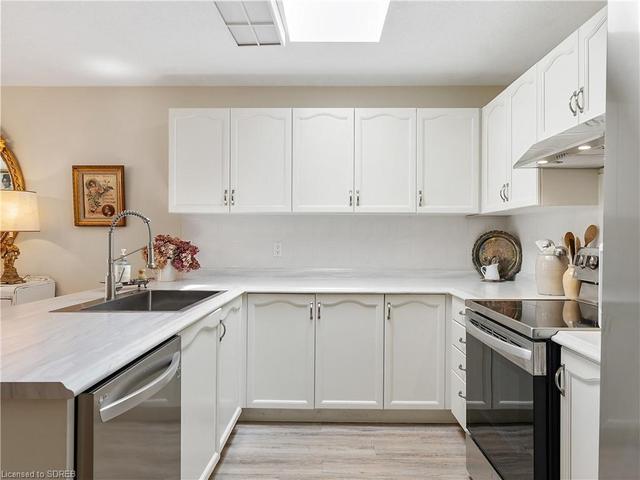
{"x":143,"y":393}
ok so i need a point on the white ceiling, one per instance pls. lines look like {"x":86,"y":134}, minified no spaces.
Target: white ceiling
{"x":186,"y":43}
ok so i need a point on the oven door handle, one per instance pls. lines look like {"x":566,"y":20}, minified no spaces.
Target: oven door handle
{"x":499,"y":345}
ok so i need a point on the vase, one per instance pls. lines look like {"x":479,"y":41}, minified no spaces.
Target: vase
{"x":549,"y":271}
{"x":168,"y":273}
{"x":570,"y":285}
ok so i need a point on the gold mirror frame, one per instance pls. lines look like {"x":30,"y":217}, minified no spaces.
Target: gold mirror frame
{"x":15,"y":171}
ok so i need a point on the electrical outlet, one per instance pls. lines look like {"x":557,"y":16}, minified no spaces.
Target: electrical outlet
{"x":277,"y":249}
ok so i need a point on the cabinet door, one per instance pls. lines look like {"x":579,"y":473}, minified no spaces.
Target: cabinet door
{"x":593,"y":66}
{"x":280,"y":351}
{"x":349,"y":351}
{"x":579,"y":418}
{"x":198,"y":160}
{"x":231,"y":349}
{"x":557,"y":81}
{"x":385,"y":153}
{"x":522,"y":134}
{"x":260,"y":160}
{"x":198,"y":393}
{"x":323,"y":160}
{"x":448,"y":160}
{"x":414,"y":358}
{"x":494,"y":154}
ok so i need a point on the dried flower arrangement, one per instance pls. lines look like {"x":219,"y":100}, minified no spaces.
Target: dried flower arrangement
{"x":179,"y":253}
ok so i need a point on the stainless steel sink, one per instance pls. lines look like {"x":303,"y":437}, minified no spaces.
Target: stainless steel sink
{"x":146,"y":301}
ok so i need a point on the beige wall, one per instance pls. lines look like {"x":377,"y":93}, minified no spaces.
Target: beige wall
{"x":51,"y":129}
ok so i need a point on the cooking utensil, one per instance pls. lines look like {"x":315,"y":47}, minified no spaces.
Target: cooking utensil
{"x":590,"y":234}
{"x":570,"y":243}
{"x":578,"y":247}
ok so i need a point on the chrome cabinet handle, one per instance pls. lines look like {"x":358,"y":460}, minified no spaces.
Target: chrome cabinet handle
{"x":506,"y":192}
{"x":419,"y":198}
{"x":226,"y":197}
{"x":461,"y":395}
{"x":310,"y":310}
{"x":461,"y":368}
{"x":574,"y":111}
{"x":224,"y":330}
{"x":580,"y":94}
{"x":351,"y":198}
{"x":462,"y":313}
{"x":388,"y":310}
{"x":560,"y":373}
{"x":462,"y":340}
{"x":502,"y":193}
{"x":233,"y":196}
{"x":357,"y":198}
{"x":319,"y":307}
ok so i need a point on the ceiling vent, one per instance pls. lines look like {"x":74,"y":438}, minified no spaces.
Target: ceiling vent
{"x":252,"y":23}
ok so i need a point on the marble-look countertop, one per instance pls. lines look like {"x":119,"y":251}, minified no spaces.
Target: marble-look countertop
{"x":584,"y":343}
{"x":47,"y":354}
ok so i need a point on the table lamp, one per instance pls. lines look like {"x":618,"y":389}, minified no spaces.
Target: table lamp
{"x":18,"y":213}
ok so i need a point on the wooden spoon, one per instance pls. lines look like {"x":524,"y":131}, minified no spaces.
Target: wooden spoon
{"x":570,"y":243}
{"x":590,"y":234}
{"x":578,"y":246}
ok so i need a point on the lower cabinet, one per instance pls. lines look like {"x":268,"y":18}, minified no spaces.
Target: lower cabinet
{"x":198,"y":393}
{"x":230,"y":369}
{"x":280,"y":350}
{"x":414,"y":356}
{"x":349,"y":351}
{"x":579,"y":416}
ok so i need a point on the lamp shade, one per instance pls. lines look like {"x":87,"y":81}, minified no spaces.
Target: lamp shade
{"x":19,"y":211}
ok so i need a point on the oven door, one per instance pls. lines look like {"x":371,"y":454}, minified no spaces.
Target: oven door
{"x":506,"y":400}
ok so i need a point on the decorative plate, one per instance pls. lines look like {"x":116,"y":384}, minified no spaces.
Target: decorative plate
{"x":501,"y":246}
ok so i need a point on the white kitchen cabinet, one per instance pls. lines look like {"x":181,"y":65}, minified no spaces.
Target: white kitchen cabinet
{"x":579,"y":417}
{"x":558,"y":80}
{"x":349,"y":351}
{"x":323,"y":160}
{"x":593,"y":67}
{"x":260,"y":160}
{"x":385,"y":160}
{"x":230,"y":368}
{"x":523,"y":183}
{"x":458,"y":393}
{"x":198,"y":160}
{"x":280,"y":350}
{"x":199,"y":343}
{"x":414,"y":354}
{"x":495,"y":155}
{"x":448,"y":160}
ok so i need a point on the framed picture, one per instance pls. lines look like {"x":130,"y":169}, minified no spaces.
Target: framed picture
{"x":98,"y":194}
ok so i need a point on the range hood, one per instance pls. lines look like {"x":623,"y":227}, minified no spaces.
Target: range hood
{"x":581,"y":146}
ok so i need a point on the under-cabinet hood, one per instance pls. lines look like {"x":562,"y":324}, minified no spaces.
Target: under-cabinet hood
{"x":579,"y":147}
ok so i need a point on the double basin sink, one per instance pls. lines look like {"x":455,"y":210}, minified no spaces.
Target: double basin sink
{"x":146,"y":301}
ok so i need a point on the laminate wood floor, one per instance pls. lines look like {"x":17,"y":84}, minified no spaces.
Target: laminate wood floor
{"x":292,"y":451}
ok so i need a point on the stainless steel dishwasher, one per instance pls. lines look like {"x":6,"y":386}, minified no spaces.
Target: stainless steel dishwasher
{"x":129,"y":425}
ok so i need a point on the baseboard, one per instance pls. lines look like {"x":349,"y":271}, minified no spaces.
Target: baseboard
{"x":346,"y":416}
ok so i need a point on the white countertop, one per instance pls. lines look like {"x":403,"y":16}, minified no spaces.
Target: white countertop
{"x":584,"y":343}
{"x":59,"y":355}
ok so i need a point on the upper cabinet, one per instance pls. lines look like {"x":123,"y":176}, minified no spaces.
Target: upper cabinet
{"x":260,"y":160}
{"x":198,"y":160}
{"x":593,"y":67}
{"x":385,"y":160}
{"x":323,"y":160}
{"x":448,"y":162}
{"x":495,"y":157}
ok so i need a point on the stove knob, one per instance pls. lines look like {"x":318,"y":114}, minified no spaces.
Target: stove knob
{"x":593,"y":262}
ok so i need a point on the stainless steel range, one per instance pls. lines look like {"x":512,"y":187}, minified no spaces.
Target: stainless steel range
{"x":513,"y":404}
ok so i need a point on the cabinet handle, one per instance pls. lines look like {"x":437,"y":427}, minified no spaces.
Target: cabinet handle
{"x":319,"y":308}
{"x":233,"y":196}
{"x":461,"y":395}
{"x":419,"y":198}
{"x":461,"y":368}
{"x":560,"y":373}
{"x":462,"y":340}
{"x":226,"y":197}
{"x":310,"y":310}
{"x":462,"y":313}
{"x":224,"y":331}
{"x":351,"y":198}
{"x":506,"y":192}
{"x":357,"y":198}
{"x":580,"y":94}
{"x":573,"y":110}
{"x":388,"y":310}
{"x":502,"y":193}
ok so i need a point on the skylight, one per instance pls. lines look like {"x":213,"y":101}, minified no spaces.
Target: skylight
{"x":335,"y":20}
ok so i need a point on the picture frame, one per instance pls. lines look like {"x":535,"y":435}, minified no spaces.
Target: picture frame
{"x":98,"y":195}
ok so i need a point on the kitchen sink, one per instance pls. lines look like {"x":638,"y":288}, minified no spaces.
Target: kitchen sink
{"x":146,"y":301}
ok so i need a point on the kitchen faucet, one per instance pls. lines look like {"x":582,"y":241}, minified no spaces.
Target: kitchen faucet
{"x":110,"y":283}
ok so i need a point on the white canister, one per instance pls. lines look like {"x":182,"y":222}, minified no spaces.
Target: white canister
{"x":549,"y":271}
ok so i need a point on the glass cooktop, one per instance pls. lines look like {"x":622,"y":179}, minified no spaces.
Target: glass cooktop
{"x":538,"y":318}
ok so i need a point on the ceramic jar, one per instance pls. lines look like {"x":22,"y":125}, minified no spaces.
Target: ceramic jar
{"x":549,"y":271}
{"x":570,"y":285}
{"x":168,"y":273}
